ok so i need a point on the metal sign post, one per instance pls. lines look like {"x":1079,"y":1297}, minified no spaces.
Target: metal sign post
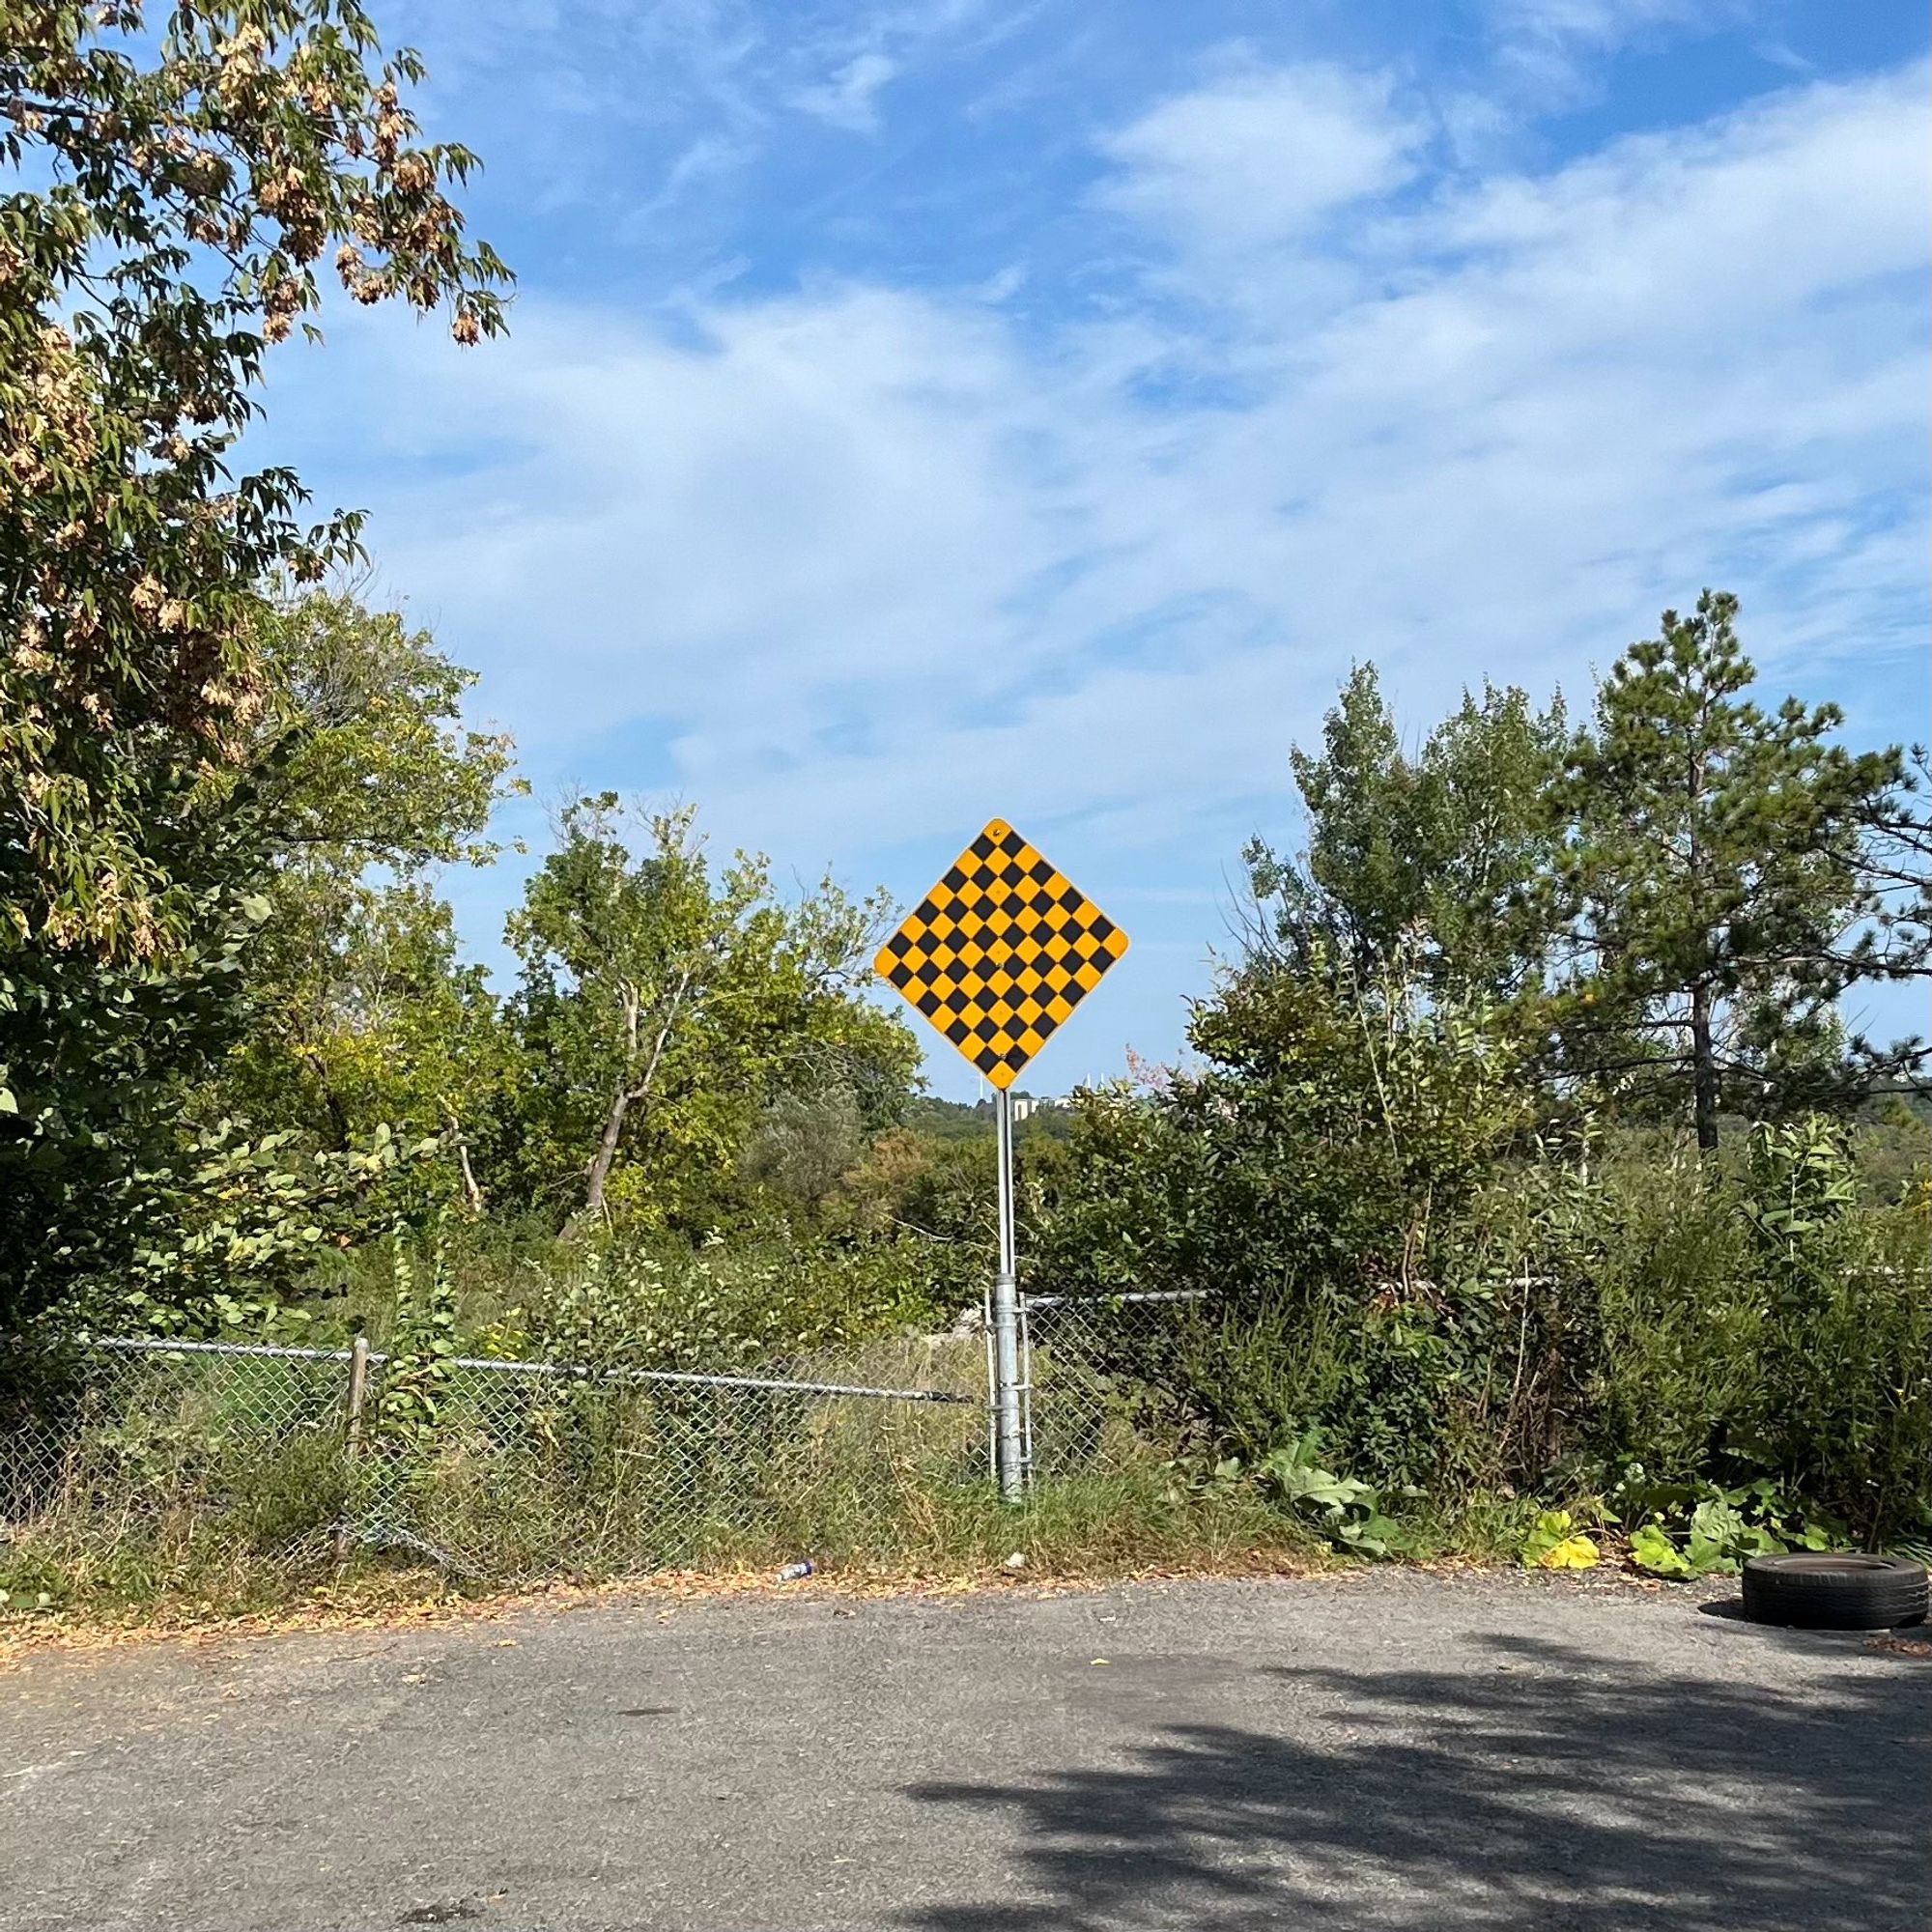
{"x":997,"y":956}
{"x":1008,"y":1455}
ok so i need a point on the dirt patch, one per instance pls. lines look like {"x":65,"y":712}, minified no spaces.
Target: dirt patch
{"x":417,"y":1602}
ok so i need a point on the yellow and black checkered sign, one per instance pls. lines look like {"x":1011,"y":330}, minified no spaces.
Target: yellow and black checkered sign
{"x":1000,"y":951}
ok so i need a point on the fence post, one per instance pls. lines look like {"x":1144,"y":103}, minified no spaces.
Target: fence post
{"x":351,"y":1441}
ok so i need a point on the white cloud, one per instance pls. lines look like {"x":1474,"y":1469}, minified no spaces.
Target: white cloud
{"x":1548,"y":52}
{"x":848,"y":565}
{"x":664,"y":110}
{"x":849,"y":99}
{"x":865,"y":49}
{"x":1596,"y":22}
{"x":1261,"y":156}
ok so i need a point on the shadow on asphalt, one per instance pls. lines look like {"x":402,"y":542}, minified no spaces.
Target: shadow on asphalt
{"x":1531,"y":1792}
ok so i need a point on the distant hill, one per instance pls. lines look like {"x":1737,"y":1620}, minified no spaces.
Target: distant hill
{"x":967,"y":1120}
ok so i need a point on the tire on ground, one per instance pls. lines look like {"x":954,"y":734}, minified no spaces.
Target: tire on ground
{"x":1807,"y":1591}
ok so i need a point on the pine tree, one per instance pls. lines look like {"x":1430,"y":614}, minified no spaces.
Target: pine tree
{"x":1714,"y":893}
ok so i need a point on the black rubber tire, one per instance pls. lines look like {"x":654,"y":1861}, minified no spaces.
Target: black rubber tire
{"x":1810,"y":1590}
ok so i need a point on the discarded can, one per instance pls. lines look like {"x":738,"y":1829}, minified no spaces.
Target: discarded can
{"x":792,"y":1572}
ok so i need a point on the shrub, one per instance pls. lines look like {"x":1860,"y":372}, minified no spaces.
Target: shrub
{"x":1312,"y":1178}
{"x":616,"y":1303}
{"x":1397,"y":1264}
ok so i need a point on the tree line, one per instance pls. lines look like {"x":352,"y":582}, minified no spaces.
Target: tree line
{"x":1525,"y":1142}
{"x":1665,"y":904}
{"x":236,"y":1025}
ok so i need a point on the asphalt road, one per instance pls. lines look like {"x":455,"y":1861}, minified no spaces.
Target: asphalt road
{"x":1390,"y":1750}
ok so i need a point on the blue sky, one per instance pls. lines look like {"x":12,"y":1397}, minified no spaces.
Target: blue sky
{"x":916,"y":413}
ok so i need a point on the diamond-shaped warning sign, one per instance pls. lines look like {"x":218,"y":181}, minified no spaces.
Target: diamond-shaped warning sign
{"x":1000,"y":951}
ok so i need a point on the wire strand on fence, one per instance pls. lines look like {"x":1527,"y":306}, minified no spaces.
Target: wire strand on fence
{"x":678,"y":1377}
{"x":168,"y":1344}
{"x":1127,"y":1296}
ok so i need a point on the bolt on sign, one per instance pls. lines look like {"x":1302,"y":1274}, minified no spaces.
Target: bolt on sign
{"x":1000,"y":951}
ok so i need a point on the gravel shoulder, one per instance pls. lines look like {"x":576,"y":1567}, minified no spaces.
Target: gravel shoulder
{"x":1384,"y":1749}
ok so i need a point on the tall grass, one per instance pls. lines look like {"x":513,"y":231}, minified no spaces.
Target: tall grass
{"x":1701,"y":1321}
{"x":224,"y":1480}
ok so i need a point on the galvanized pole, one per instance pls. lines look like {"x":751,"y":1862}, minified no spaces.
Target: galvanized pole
{"x":1008,"y":1454}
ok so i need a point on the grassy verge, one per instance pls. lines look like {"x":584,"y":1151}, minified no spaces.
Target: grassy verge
{"x":1079,"y":1530}
{"x":208,"y":1486}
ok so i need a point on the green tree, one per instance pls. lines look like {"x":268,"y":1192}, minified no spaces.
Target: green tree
{"x":374,"y":1021}
{"x":175,"y":179}
{"x":1717,"y":891}
{"x":1310,"y":1176}
{"x":361,"y":1012}
{"x":661,"y":1006}
{"x":803,"y":1145}
{"x":180,"y":177}
{"x":1423,"y":857}
{"x":381,"y":770}
{"x":331,"y":1006}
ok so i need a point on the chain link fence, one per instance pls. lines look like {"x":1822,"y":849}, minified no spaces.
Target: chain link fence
{"x":149,"y":1458}
{"x":1082,"y":1357}
{"x":510,"y":1469}
{"x":141,"y":1458}
{"x":176,"y":1457}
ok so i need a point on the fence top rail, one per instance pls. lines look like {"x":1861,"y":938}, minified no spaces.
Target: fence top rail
{"x":1109,"y":1300}
{"x":167,"y":1344}
{"x":678,"y":1377}
{"x":580,"y":1372}
{"x":1214,"y":1295}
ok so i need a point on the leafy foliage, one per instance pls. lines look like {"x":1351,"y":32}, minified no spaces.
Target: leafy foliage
{"x":422,"y":1347}
{"x":1309,"y":1177}
{"x":1668,"y":901}
{"x":803,"y":1145}
{"x":315,"y":998}
{"x":617,"y":1303}
{"x":360,"y":1012}
{"x":92,"y":1057}
{"x":1349,"y":1511}
{"x":661,"y":1008}
{"x":1699,"y":1529}
{"x":177,"y":176}
{"x":1415,"y":1171}
{"x":1423,"y":860}
{"x":1555,"y":1543}
{"x":188,"y":173}
{"x":1569,"y":1311}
